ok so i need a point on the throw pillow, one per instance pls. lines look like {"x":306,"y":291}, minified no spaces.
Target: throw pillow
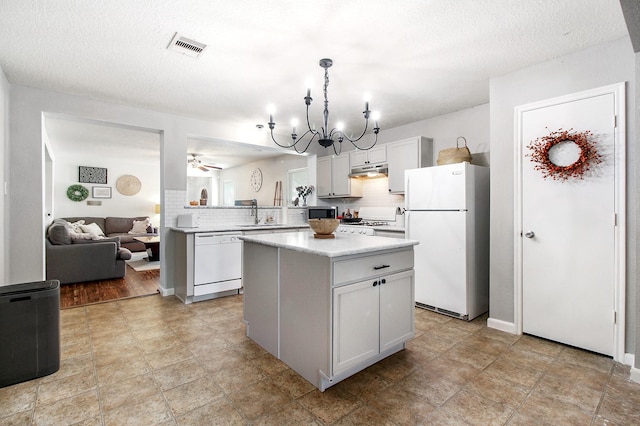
{"x":140,"y":226}
{"x":92,"y":228}
{"x":75,"y":226}
{"x":77,"y":236}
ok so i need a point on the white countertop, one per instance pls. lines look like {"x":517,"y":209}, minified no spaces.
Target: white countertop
{"x":229,"y":228}
{"x":341,"y":245}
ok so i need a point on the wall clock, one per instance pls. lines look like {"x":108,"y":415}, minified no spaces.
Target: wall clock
{"x":256,"y":180}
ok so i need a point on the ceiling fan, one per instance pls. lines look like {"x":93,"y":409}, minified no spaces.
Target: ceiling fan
{"x":197,"y":164}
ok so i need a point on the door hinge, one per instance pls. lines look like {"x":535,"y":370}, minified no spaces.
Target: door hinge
{"x":615,"y":219}
{"x":615,"y":317}
{"x":615,"y":121}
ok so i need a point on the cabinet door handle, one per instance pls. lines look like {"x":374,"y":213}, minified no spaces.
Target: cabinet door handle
{"x":375,"y":283}
{"x":383,"y":281}
{"x":381,"y":267}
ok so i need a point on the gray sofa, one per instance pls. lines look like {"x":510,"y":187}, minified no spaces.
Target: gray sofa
{"x":119,"y":227}
{"x":73,"y":260}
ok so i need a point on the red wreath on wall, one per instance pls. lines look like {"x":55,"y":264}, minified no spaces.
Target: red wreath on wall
{"x":540,"y":154}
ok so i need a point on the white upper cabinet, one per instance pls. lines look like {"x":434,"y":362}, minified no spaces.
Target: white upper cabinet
{"x":412,"y":153}
{"x":375,"y":155}
{"x":333,"y":178}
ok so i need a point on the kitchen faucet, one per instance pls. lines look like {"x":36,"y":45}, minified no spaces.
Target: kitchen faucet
{"x":254,"y":206}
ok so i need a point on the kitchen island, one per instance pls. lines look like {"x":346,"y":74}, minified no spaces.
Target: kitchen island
{"x":328,"y":308}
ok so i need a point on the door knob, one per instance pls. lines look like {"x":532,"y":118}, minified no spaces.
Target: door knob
{"x":530,"y":234}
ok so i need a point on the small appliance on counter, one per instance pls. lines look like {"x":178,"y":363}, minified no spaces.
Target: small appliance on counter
{"x":322,"y":212}
{"x":188,"y":221}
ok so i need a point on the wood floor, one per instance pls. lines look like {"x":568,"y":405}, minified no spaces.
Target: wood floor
{"x":134,"y":284}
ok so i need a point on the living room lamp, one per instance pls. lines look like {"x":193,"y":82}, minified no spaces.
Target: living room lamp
{"x":325,"y":136}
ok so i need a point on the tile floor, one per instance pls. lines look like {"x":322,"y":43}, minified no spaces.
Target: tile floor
{"x":153,"y":360}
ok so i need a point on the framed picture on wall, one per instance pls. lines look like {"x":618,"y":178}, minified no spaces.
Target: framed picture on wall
{"x":101,"y":192}
{"x":92,"y":175}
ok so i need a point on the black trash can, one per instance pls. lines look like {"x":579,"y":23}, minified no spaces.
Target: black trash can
{"x":29,"y":331}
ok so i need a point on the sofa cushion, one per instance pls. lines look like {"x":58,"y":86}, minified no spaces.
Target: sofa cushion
{"x":100,"y":240}
{"x":120,"y":225}
{"x":59,"y":233}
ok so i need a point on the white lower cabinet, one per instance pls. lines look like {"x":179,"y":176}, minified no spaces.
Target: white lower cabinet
{"x":370,"y":317}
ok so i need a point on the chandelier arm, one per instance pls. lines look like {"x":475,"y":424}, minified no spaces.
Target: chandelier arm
{"x":306,"y":147}
{"x":312,"y":130}
{"x":354,"y":140}
{"x":284,"y":146}
{"x":339,"y":151}
{"x":375,"y":141}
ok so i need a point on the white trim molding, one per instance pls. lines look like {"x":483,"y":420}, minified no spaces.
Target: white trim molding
{"x":507,"y":327}
{"x":166,"y":291}
{"x":618,"y":90}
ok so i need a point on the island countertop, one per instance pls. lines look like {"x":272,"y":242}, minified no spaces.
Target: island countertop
{"x":341,"y":245}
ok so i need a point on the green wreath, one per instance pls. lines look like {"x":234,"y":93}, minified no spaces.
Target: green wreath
{"x":77,"y":192}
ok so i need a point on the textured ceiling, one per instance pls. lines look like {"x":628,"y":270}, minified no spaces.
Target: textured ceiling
{"x":416,"y":58}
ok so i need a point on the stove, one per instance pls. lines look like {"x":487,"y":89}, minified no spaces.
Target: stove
{"x":356,"y":230}
{"x":371,"y":216}
{"x":369,"y":223}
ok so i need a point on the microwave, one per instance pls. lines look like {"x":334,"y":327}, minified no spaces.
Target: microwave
{"x":321,"y":212}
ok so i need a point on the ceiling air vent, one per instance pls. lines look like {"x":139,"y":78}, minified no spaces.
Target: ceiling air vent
{"x":186,"y":46}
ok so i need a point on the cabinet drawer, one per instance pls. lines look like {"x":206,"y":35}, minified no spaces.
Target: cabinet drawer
{"x":360,"y":268}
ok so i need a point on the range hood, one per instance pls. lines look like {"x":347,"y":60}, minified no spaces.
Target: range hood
{"x":369,"y":171}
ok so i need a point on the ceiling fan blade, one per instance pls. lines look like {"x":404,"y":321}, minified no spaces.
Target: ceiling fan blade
{"x":212,"y":167}
{"x":203,"y":168}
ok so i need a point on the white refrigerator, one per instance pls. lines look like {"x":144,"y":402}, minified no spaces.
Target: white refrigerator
{"x":447,"y":211}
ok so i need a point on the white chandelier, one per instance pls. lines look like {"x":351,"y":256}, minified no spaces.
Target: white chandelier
{"x":325,"y":136}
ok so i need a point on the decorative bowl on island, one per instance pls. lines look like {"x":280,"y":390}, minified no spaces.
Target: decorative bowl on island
{"x":324,"y":228}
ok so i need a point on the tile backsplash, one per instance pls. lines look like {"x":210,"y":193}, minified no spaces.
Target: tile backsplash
{"x":375,"y":193}
{"x":174,"y":205}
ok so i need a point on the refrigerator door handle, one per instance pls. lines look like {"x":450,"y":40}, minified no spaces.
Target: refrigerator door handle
{"x":407,"y":224}
{"x":407,"y":193}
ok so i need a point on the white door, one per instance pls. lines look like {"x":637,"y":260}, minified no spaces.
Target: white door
{"x":568,"y":262}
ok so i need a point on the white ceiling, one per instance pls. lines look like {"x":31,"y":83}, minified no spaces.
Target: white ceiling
{"x":416,"y":58}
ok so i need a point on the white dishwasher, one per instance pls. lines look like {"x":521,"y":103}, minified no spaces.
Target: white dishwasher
{"x":218,"y":262}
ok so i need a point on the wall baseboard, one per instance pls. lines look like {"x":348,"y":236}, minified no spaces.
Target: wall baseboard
{"x":166,"y":291}
{"x":635,"y":375}
{"x":507,"y":327}
{"x":629,"y":359}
